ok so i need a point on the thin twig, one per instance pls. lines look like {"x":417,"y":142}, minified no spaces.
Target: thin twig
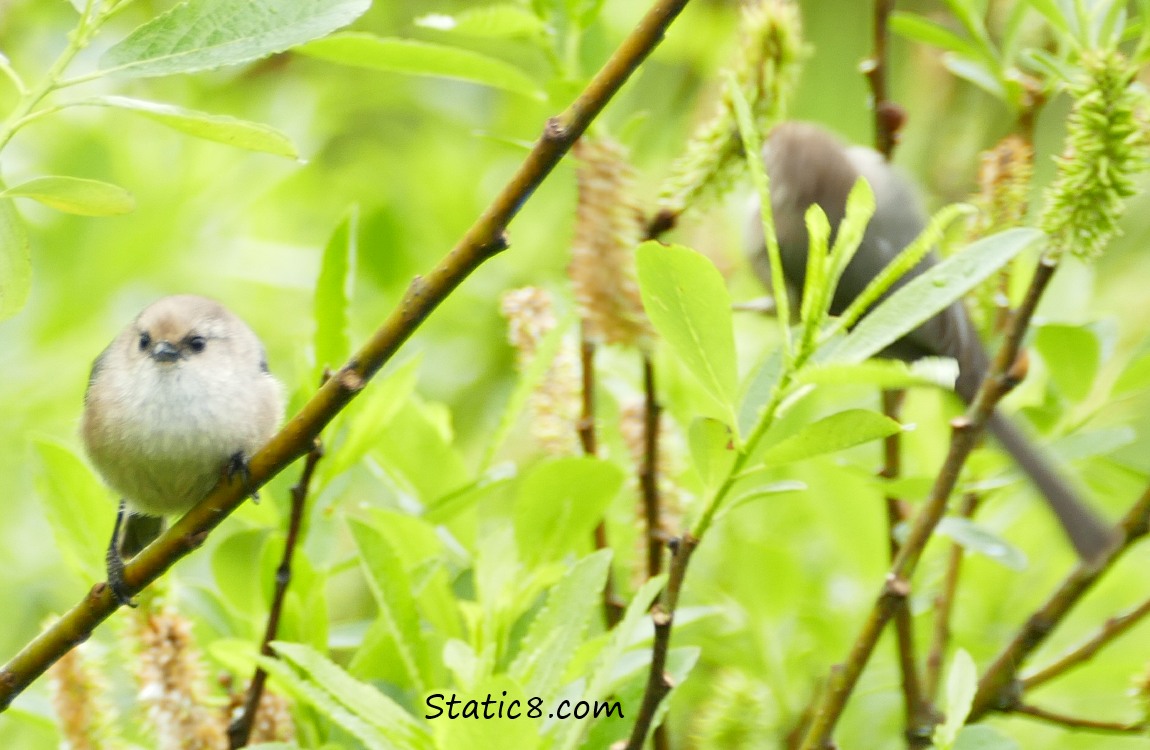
{"x":649,"y":470}
{"x":1077,"y":722}
{"x":663,"y":616}
{"x":944,"y":605}
{"x":919,"y":715}
{"x":485,"y":239}
{"x":999,"y":689}
{"x":240,"y":730}
{"x":965,"y":432}
{"x":888,"y":116}
{"x":1110,"y":630}
{"x":613,"y":607}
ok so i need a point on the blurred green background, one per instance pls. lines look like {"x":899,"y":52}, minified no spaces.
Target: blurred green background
{"x":789,"y":579}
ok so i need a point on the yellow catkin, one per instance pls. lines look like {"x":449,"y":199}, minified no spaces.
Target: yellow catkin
{"x":555,"y":403}
{"x":607,"y":231}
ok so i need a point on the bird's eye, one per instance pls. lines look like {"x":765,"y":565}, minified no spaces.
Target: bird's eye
{"x":197,"y":343}
{"x":145,"y":341}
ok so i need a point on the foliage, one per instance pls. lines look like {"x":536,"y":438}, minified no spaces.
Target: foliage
{"x":443,"y":552}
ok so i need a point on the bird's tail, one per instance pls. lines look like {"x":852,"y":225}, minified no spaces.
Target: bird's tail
{"x":1089,"y":535}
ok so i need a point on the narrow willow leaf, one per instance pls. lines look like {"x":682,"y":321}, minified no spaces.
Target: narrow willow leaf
{"x":687,"y":302}
{"x":251,"y":136}
{"x":758,"y":390}
{"x":830,"y":434}
{"x":976,"y":538}
{"x":559,"y":628}
{"x":15,"y":261}
{"x":927,"y":294}
{"x":883,"y":373}
{"x":306,"y":690}
{"x":907,"y":259}
{"x":75,"y":195}
{"x":423,"y":59}
{"x":1073,"y":355}
{"x":919,"y":29}
{"x":961,"y":683}
{"x":333,"y":290}
{"x":391,"y":587}
{"x":500,"y":21}
{"x":364,"y":701}
{"x":206,"y":34}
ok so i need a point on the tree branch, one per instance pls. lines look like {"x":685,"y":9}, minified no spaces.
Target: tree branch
{"x":1077,"y":722}
{"x":613,"y":607}
{"x":485,"y":239}
{"x":240,"y":730}
{"x":1110,"y":630}
{"x":966,"y":430}
{"x":663,"y":616}
{"x":999,"y":690}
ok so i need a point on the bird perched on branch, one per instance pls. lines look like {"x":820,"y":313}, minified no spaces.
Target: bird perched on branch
{"x":807,"y":165}
{"x":181,"y":398}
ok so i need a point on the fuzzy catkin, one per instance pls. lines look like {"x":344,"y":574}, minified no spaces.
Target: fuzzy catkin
{"x":607,"y":231}
{"x":554,"y":404}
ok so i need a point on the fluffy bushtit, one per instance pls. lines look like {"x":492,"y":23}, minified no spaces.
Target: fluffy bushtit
{"x":180,"y":397}
{"x":808,"y":165}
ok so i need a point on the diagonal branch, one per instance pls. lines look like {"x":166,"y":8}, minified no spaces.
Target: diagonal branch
{"x":485,"y":239}
{"x":895,"y":589}
{"x":999,"y":688}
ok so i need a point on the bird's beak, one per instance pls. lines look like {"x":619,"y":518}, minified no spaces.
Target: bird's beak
{"x":163,"y":351}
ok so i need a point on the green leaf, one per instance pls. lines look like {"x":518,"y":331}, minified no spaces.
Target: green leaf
{"x":922,"y":30}
{"x":976,"y":538}
{"x":961,"y":683}
{"x":830,"y":434}
{"x":80,"y":511}
{"x":1072,"y":355}
{"x":15,"y":261}
{"x":500,"y":21}
{"x":412,"y":57}
{"x":983,"y":737}
{"x":392,"y":590}
{"x":883,"y":373}
{"x":206,"y":34}
{"x":333,"y":290}
{"x":492,"y":730}
{"x":366,"y":704}
{"x":560,"y":502}
{"x":75,"y":195}
{"x":977,"y":73}
{"x":687,"y":302}
{"x":251,"y":136}
{"x":236,"y":553}
{"x":711,"y":451}
{"x":758,"y":391}
{"x":758,"y":484}
{"x":373,"y":414}
{"x":558,"y":630}
{"x":929,"y":293}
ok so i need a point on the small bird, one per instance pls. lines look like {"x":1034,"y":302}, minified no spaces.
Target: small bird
{"x":181,"y":397}
{"x":807,"y":165}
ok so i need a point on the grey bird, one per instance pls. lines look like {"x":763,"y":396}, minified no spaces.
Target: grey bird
{"x":807,"y":165}
{"x":180,"y":398}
